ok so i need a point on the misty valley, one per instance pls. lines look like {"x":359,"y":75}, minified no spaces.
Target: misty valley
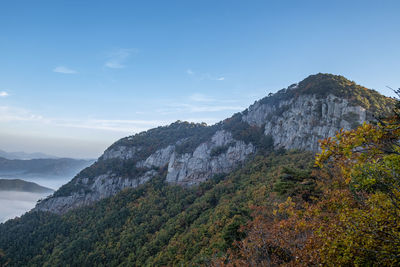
{"x":25,"y":179}
{"x":16,"y":203}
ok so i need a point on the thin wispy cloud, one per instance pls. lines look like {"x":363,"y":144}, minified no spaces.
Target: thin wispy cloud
{"x":118,"y":58}
{"x":201,"y":98}
{"x":199,"y":103}
{"x":11,"y":114}
{"x":207,"y":76}
{"x":204,"y":76}
{"x":123,"y":126}
{"x":198,"y":97}
{"x":208,"y":108}
{"x":178,"y":108}
{"x":64,"y":70}
{"x":3,"y":94}
{"x":197,"y":107}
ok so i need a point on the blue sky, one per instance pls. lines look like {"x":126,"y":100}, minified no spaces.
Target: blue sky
{"x":77,"y":75}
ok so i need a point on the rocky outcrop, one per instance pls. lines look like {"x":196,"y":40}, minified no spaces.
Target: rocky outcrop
{"x":219,"y":155}
{"x":102,"y":186}
{"x":159,"y":159}
{"x":120,"y":152}
{"x":299,"y":123}
{"x":190,"y":169}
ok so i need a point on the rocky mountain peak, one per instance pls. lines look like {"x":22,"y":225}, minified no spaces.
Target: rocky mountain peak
{"x":190,"y":153}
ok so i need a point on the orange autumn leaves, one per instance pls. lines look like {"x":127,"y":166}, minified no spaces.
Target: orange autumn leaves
{"x":354,"y":220}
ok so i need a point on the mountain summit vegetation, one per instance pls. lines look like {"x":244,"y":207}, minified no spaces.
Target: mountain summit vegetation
{"x":154,"y":202}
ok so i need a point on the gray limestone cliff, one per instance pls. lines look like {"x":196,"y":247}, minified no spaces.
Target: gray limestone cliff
{"x":188,"y":154}
{"x":298,"y":123}
{"x":185,"y":169}
{"x":204,"y":162}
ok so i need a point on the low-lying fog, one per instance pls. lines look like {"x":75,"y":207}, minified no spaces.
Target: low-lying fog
{"x":14,"y":203}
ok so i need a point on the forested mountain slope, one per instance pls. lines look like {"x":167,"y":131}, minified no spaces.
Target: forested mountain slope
{"x":293,"y":118}
{"x":155,"y":224}
{"x":181,"y":194}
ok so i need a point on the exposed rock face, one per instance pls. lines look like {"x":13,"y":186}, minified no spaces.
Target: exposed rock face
{"x":190,"y":169}
{"x":300,"y":122}
{"x":120,"y":152}
{"x":184,"y":169}
{"x":103,"y":186}
{"x":159,"y":159}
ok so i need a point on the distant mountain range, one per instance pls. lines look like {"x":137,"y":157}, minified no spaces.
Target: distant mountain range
{"x":23,"y":186}
{"x":42,"y":168}
{"x":25,"y":156}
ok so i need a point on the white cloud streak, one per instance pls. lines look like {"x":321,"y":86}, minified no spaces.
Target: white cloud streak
{"x":197,"y":108}
{"x":200,"y":103}
{"x":3,"y":94}
{"x":8,"y":114}
{"x":201,"y":98}
{"x":204,"y":76}
{"x":124,"y":126}
{"x":11,"y":114}
{"x":117,"y":59}
{"x":197,"y":104}
{"x":206,"y":108}
{"x":64,"y":70}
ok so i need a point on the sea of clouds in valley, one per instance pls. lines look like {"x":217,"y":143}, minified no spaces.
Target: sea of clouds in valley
{"x":13,"y":203}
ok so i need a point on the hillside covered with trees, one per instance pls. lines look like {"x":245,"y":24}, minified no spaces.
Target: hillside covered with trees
{"x":278,"y":208}
{"x":157,"y":224}
{"x":353,"y":220}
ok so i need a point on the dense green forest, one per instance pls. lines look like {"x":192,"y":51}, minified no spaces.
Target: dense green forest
{"x":155,"y":224}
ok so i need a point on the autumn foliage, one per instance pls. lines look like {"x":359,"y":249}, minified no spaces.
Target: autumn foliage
{"x":353,"y":221}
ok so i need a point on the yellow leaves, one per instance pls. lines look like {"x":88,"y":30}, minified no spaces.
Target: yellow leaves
{"x":287,"y":207}
{"x":354,"y":229}
{"x":302,"y":224}
{"x":347,"y":225}
{"x":275,"y":212}
{"x":349,"y":148}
